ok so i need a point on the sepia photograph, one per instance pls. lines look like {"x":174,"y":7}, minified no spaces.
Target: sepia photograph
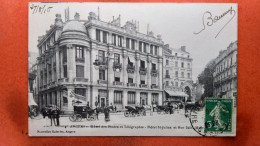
{"x":132,"y":69}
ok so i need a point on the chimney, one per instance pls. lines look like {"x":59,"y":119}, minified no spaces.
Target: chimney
{"x":183,"y":48}
{"x":77,"y":16}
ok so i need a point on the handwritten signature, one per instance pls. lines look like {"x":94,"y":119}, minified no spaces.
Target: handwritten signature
{"x":209,"y":20}
{"x":40,"y":9}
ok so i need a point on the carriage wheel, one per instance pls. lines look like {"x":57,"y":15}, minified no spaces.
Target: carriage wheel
{"x":126,"y":113}
{"x":158,"y":111}
{"x":79,"y":118}
{"x":132,"y":114}
{"x":73,"y":118}
{"x":90,"y":117}
{"x":138,"y":114}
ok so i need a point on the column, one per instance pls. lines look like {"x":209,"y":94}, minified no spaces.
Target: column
{"x":137,"y":98}
{"x":149,"y":102}
{"x":70,"y":106}
{"x":124,"y":98}
{"x":160,"y":75}
{"x":137,"y":74}
{"x":110,"y":70}
{"x":87,"y":64}
{"x":124,"y":66}
{"x":148,"y":74}
{"x":111,"y":97}
{"x":57,"y":63}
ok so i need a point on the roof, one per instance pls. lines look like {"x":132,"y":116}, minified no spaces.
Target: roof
{"x":74,"y":26}
{"x":176,"y":93}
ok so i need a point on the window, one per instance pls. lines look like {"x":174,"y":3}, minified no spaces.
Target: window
{"x":133,"y":45}
{"x":145,"y":47}
{"x":80,"y":91}
{"x":102,"y":75}
{"x":155,"y":50}
{"x":142,"y":64}
{"x":182,"y":64}
{"x":176,"y":54}
{"x":140,"y":46}
{"x":118,"y":97}
{"x":167,"y":62}
{"x":151,"y":49}
{"x":188,"y":56}
{"x":128,"y":43}
{"x":120,"y":41}
{"x":130,"y":80}
{"x":153,"y":66}
{"x":50,"y":98}
{"x":176,"y":84}
{"x":181,"y":83}
{"x":176,"y":63}
{"x":117,"y":58}
{"x":64,"y":51}
{"x":167,"y":72}
{"x":142,"y":81}
{"x":114,"y":39}
{"x":79,"y":52}
{"x":105,"y":37}
{"x":167,"y":83}
{"x":98,"y":35}
{"x":130,"y":63}
{"x":101,"y":56}
{"x":80,"y":71}
{"x":182,"y":74}
{"x":189,"y":75}
{"x":65,"y":71}
{"x":117,"y":79}
{"x":176,"y":73}
{"x":131,"y":98}
{"x":188,"y":65}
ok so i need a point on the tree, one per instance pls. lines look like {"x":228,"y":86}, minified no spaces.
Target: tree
{"x":206,"y":78}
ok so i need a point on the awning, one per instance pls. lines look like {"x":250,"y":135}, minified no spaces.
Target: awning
{"x":31,"y":100}
{"x":176,"y":93}
{"x":131,"y":59}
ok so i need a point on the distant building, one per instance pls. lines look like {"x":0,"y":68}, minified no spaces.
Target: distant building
{"x":177,"y":74}
{"x":225,"y":75}
{"x":69,"y":50}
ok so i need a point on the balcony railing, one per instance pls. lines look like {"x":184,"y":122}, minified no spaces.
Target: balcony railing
{"x":118,"y":83}
{"x":154,"y":73}
{"x":131,"y":84}
{"x":154,"y":86}
{"x":63,"y":80}
{"x":167,"y":76}
{"x":142,"y":71}
{"x":80,"y":79}
{"x":143,"y":85}
{"x":130,"y":68}
{"x":80,"y":59}
{"x":117,"y":65}
{"x":102,"y":81}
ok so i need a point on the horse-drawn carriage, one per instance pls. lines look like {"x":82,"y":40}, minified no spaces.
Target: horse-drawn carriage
{"x":137,"y":111}
{"x":168,"y":107}
{"x":81,"y":111}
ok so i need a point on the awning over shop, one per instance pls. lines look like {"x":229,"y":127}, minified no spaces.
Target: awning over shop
{"x":31,"y":100}
{"x":176,"y":93}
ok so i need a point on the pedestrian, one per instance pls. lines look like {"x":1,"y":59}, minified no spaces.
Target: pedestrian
{"x":97,"y":112}
{"x":115,"y":109}
{"x":56,"y":116}
{"x":106,"y":112}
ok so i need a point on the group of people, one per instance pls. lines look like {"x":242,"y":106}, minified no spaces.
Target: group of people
{"x":53,"y":113}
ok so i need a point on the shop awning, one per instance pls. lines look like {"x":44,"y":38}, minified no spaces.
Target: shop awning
{"x":31,"y":100}
{"x":176,"y":93}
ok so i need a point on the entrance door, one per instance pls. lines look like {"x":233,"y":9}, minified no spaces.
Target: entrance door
{"x":143,"y":99}
{"x":102,"y":102}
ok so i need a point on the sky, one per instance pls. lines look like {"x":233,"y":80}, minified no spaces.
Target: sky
{"x":175,"y":22}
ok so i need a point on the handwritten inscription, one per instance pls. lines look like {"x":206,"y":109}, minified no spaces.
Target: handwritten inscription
{"x":40,"y":9}
{"x":209,"y":20}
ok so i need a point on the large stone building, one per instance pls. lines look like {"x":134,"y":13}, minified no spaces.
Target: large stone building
{"x":79,"y":57}
{"x":225,"y":75}
{"x":177,"y":70}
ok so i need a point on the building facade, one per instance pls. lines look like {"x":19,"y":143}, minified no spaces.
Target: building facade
{"x":79,"y":58}
{"x":177,"y":73}
{"x":225,"y":73}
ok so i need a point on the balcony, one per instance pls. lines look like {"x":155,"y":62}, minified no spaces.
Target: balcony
{"x":118,"y":83}
{"x":63,"y":80}
{"x":80,"y":79}
{"x":154,"y":73}
{"x":102,"y":81}
{"x":80,"y":59}
{"x":154,"y":86}
{"x":131,"y":84}
{"x":117,"y":66}
{"x":143,"y":85}
{"x":130,"y":69}
{"x":167,"y":76}
{"x":142,"y":71}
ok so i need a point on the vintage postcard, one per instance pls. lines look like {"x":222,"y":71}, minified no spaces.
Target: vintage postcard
{"x":132,"y":69}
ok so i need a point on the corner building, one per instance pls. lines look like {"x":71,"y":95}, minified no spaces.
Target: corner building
{"x":78,"y":58}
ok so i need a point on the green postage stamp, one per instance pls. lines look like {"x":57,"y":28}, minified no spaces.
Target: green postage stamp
{"x":218,"y":116}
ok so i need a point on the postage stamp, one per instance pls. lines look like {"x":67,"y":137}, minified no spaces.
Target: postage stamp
{"x":218,"y":115}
